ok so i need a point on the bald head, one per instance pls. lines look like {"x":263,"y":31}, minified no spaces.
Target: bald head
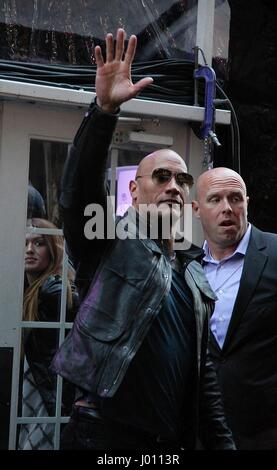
{"x":218,"y":176}
{"x":159,"y":158}
{"x":221,"y":205}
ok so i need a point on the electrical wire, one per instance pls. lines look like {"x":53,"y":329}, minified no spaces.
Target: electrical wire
{"x":235,"y":133}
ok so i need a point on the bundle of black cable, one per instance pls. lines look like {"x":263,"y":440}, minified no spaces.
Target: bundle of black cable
{"x":173,"y":78}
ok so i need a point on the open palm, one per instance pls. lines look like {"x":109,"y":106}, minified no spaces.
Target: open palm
{"x":113,"y":81}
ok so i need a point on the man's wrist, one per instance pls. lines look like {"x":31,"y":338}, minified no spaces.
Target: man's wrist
{"x":106,"y":108}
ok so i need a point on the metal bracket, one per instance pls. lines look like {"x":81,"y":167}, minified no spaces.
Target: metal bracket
{"x":141,"y":139}
{"x":207,"y":127}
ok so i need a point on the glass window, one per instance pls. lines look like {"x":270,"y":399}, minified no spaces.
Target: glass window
{"x":46,"y":165}
{"x":66,"y":31}
{"x":221,"y":37}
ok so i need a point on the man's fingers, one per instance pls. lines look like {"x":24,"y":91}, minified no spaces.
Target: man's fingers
{"x":131,"y":49}
{"x":119,"y":44}
{"x":98,"y":56}
{"x":109,"y":47}
{"x":119,"y":49}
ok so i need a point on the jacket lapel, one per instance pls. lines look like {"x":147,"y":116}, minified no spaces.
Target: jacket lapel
{"x":254,"y":263}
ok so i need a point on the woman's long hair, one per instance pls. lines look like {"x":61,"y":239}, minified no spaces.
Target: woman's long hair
{"x":55,"y":247}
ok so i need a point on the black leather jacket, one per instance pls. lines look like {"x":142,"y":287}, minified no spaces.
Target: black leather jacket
{"x":40,"y":345}
{"x":130,"y":279}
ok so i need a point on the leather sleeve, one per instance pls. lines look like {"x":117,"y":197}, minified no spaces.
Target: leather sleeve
{"x":83,"y":180}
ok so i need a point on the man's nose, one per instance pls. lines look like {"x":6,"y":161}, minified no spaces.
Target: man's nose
{"x":172,"y":185}
{"x":226,"y":206}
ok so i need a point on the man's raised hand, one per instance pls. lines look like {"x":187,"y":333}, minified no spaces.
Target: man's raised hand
{"x":113,"y":80}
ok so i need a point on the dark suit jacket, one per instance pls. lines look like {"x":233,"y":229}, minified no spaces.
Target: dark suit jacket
{"x":247,"y":363}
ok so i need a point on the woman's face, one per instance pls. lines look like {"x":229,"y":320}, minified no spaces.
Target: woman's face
{"x":37,"y":255}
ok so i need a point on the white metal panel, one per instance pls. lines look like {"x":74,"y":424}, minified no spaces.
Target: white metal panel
{"x":195,"y":163}
{"x":63,"y":97}
{"x":13,"y":195}
{"x":205,"y":29}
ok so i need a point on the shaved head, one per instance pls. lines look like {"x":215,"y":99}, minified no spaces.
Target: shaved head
{"x":221,"y":205}
{"x":161,"y":157}
{"x":221,"y":175}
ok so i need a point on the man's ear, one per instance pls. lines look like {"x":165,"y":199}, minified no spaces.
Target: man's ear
{"x":195,"y":208}
{"x":133,"y":190}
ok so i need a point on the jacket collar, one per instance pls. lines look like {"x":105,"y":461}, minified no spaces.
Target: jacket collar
{"x":137,"y":227}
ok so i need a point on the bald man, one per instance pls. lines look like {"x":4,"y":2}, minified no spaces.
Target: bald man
{"x":240,"y":263}
{"x":137,"y":351}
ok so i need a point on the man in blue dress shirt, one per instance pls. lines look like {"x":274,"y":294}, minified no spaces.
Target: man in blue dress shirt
{"x":240,"y":263}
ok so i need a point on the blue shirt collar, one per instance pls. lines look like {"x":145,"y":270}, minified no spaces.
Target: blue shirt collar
{"x":241,"y":248}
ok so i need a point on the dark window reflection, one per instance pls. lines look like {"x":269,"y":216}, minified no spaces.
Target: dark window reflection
{"x":46,"y":165}
{"x":52,"y":42}
{"x":66,"y":31}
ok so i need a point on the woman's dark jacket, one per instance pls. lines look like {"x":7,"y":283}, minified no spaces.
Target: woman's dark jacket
{"x":41,"y":344}
{"x":130,"y":279}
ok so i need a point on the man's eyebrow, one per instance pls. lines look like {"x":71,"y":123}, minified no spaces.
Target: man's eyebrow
{"x":209,"y":195}
{"x":236,"y":192}
{"x":231,"y":193}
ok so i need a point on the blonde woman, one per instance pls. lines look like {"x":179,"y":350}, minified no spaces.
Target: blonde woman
{"x":42,"y":299}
